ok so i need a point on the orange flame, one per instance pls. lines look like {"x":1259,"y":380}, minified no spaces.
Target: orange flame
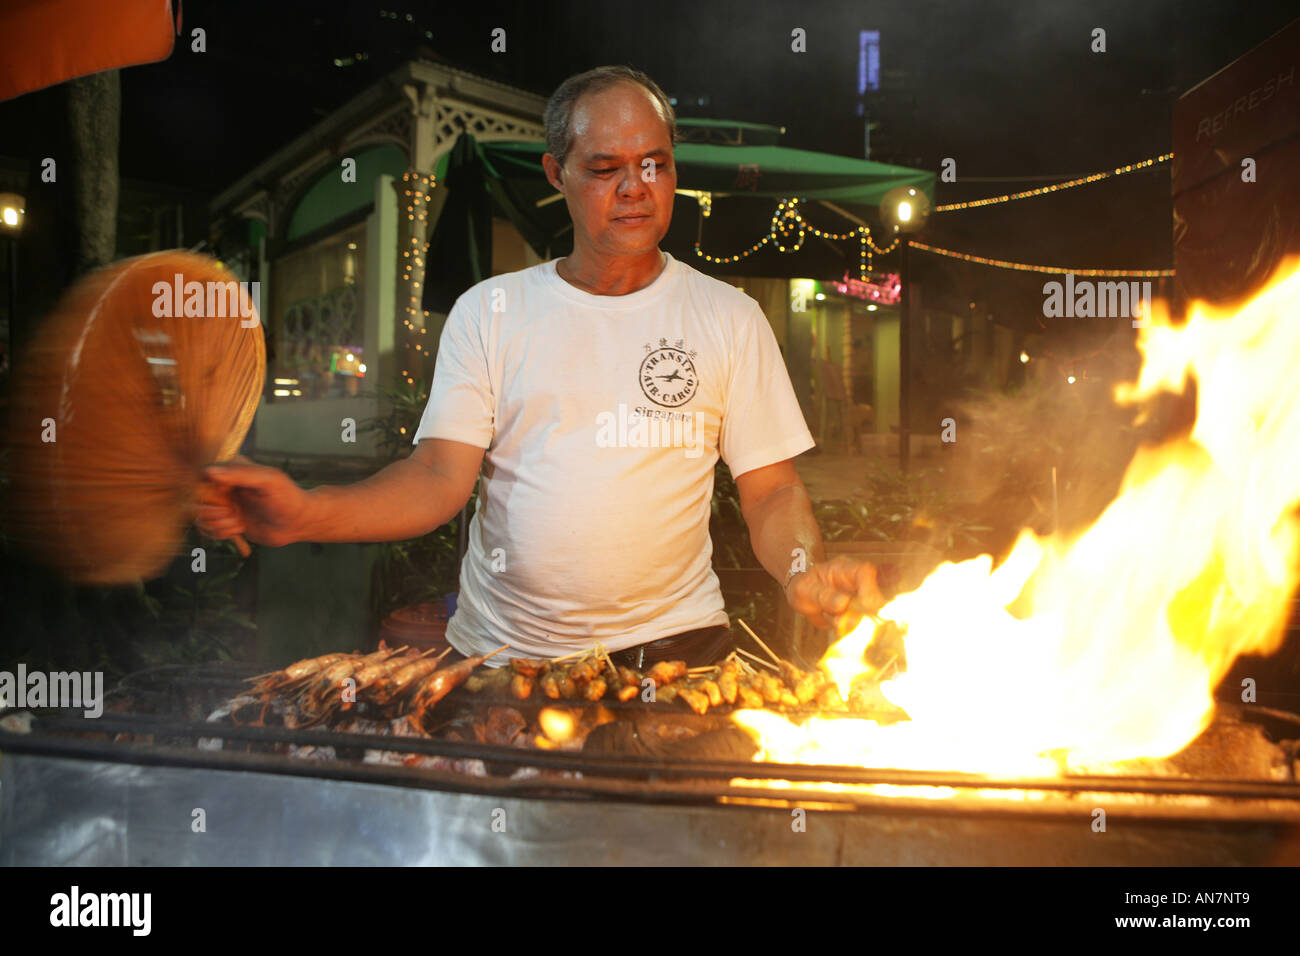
{"x":1120,"y":633}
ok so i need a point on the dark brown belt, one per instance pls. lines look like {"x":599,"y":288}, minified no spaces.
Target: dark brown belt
{"x":704,"y":645}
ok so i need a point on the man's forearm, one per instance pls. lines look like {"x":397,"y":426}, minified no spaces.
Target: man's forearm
{"x":404,"y":500}
{"x":780,"y":523}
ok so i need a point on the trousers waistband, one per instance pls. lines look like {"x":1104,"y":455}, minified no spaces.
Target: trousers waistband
{"x":704,"y":645}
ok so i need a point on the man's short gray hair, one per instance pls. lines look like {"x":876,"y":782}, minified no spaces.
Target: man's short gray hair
{"x":559,"y":108}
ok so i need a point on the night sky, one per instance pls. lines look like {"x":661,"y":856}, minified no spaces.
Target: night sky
{"x":1007,"y":88}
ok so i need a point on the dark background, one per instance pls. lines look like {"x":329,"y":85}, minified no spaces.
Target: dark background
{"x":1008,"y":88}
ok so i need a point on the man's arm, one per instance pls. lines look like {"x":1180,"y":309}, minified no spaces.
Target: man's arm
{"x":778,"y":511}
{"x":406,"y":499}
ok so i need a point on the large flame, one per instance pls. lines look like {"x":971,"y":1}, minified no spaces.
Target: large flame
{"x":1120,"y":633}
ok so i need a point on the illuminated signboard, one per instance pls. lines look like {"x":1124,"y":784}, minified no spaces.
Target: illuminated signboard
{"x":868,"y":60}
{"x":883,"y":292}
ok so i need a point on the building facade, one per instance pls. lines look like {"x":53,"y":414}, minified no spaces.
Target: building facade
{"x":333,"y":227}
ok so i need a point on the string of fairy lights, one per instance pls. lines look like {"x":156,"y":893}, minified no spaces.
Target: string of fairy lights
{"x":1056,"y":187}
{"x":416,"y":189}
{"x":1026,"y":267}
{"x":787,"y":231}
{"x":788,"y":219}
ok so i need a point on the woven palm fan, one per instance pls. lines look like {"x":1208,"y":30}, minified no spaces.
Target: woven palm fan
{"x":136,"y":404}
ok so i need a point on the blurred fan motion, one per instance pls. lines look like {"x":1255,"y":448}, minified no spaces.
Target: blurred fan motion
{"x":137,"y":380}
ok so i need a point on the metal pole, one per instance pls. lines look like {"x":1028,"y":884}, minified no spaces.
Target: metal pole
{"x":904,"y":360}
{"x":13,"y":298}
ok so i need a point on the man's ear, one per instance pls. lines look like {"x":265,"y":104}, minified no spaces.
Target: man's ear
{"x":554,"y":171}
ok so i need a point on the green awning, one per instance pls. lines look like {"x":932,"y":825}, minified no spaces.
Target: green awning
{"x":728,"y":132}
{"x":779,"y":172}
{"x":746,"y":183}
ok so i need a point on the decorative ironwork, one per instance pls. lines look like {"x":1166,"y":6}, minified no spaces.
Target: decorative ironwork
{"x":452,"y":118}
{"x":311,"y":328}
{"x":394,"y":126}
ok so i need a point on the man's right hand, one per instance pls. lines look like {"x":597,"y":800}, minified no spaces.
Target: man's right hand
{"x":263,"y":504}
{"x":406,"y":499}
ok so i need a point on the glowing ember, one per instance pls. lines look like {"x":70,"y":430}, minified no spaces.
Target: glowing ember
{"x":1105,"y":646}
{"x":559,"y":725}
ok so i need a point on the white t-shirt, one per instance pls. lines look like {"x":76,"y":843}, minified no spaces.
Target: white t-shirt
{"x":602,"y":418}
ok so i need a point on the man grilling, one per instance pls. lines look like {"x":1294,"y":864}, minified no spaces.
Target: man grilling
{"x":594,"y":394}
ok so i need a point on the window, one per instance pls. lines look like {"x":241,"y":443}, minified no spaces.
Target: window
{"x":318,"y":322}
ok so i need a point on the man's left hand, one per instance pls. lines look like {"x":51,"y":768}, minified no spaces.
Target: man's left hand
{"x":836,"y":594}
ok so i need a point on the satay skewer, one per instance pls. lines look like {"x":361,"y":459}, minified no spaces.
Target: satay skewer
{"x":756,"y":659}
{"x":598,"y":649}
{"x":759,"y":641}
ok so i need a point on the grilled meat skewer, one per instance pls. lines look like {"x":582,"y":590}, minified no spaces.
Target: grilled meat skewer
{"x":440,"y":683}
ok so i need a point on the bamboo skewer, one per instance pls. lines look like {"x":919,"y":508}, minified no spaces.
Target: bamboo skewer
{"x":885,"y":670}
{"x":758,"y":660}
{"x":745,"y":665}
{"x":759,"y":641}
{"x":596,"y":649}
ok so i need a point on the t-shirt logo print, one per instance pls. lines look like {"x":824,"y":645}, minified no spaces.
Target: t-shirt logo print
{"x":667,"y":375}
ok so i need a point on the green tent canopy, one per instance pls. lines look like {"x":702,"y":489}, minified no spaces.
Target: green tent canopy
{"x":728,"y":132}
{"x":780,"y":171}
{"x":746,"y":183}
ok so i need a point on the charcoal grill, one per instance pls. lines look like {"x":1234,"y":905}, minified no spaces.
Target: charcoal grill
{"x":124,"y":788}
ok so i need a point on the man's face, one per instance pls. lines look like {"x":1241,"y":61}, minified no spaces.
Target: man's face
{"x":618,"y":179}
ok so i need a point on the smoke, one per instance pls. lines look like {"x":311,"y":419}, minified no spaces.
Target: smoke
{"x":1000,"y":468}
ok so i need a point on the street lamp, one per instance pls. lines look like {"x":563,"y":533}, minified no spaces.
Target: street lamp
{"x":904,"y":210}
{"x":13,"y":209}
